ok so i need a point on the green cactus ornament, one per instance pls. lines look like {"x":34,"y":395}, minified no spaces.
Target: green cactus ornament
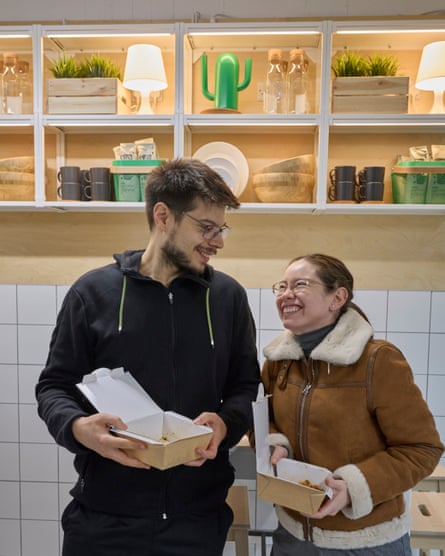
{"x":226,"y":92}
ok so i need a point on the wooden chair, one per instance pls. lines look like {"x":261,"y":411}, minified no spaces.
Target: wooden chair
{"x":434,"y":482}
{"x":428,"y":522}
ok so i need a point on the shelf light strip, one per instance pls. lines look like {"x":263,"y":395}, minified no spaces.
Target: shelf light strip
{"x":386,"y":31}
{"x":249,"y":32}
{"x":16,"y":36}
{"x":101,"y":36}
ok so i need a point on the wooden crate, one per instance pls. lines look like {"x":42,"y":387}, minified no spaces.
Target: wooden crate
{"x":374,"y":95}
{"x":89,"y":95}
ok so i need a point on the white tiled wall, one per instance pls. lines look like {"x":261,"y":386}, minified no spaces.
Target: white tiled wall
{"x":36,"y":475}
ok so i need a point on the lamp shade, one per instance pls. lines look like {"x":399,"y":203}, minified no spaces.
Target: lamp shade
{"x":144,"y":69}
{"x":431,"y":72}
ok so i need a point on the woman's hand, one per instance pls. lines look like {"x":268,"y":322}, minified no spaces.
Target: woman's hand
{"x":278,"y":452}
{"x":340,"y":499}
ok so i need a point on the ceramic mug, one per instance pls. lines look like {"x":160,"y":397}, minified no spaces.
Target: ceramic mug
{"x":69,"y":174}
{"x":371,"y":174}
{"x":342,"y":191}
{"x":342,"y":174}
{"x":70,"y":191}
{"x":98,"y":191}
{"x":343,"y":184}
{"x":98,"y":186}
{"x":371,"y":191}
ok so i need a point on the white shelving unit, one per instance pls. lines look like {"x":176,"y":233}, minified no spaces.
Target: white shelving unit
{"x":182,"y":122}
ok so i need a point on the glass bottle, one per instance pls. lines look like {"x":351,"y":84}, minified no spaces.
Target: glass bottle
{"x":274,"y":94}
{"x":2,"y":102}
{"x":25,"y":85}
{"x":12,"y":96}
{"x":297,"y":82}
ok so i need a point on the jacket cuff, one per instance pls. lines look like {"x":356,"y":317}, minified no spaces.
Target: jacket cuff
{"x":278,"y":439}
{"x":358,"y":488}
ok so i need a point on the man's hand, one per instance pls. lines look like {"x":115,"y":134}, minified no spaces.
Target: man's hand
{"x":94,"y":433}
{"x":219,"y":428}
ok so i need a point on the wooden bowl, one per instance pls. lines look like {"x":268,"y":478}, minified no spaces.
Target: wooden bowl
{"x":284,"y":187}
{"x":16,"y":186}
{"x":17,"y":164}
{"x":304,"y":164}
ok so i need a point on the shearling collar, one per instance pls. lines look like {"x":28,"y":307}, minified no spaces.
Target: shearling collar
{"x":342,"y":346}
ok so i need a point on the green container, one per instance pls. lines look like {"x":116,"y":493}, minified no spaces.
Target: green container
{"x":408,"y":187}
{"x":419,"y":181}
{"x":130,"y":177}
{"x":435,"y":192}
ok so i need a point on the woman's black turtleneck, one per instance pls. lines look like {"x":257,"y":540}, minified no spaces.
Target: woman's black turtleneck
{"x":309,"y":340}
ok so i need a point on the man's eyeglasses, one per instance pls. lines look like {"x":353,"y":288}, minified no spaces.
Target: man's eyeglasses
{"x":280,"y":288}
{"x":210,"y":231}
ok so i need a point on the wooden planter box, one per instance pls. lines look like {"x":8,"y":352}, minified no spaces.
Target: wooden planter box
{"x":89,"y":95}
{"x":373,"y":95}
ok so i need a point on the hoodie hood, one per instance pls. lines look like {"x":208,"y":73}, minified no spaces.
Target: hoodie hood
{"x":342,"y":346}
{"x":129,"y":261}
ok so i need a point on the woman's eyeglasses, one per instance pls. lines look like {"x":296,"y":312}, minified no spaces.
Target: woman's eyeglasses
{"x":280,"y":288}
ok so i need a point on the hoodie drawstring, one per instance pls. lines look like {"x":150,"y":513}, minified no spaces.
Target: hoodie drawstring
{"x":209,"y":319}
{"x":122,"y":303}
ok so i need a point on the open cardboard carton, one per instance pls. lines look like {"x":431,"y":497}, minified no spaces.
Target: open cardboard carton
{"x":171,"y":438}
{"x":284,"y":488}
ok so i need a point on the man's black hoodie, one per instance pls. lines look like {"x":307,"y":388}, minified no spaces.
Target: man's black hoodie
{"x":190,"y":345}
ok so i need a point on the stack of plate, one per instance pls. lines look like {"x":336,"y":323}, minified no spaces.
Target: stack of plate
{"x":17,"y":178}
{"x":228,"y":161}
{"x":287,"y":181}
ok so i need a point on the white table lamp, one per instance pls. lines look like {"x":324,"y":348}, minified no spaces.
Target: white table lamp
{"x":431,"y":74}
{"x":144,"y":72}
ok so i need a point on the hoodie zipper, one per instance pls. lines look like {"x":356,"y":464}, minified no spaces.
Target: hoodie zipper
{"x":171,"y":300}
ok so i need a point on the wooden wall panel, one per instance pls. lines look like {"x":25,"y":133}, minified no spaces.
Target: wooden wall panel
{"x":383,"y":252}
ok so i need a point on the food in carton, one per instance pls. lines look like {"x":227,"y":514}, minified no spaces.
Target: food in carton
{"x":293,"y":484}
{"x":171,"y":438}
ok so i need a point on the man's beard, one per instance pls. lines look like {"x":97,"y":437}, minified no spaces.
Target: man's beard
{"x":176,"y":258}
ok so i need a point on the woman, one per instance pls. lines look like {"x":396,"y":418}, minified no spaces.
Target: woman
{"x":345,"y":401}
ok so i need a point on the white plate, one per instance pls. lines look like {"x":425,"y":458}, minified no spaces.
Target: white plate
{"x":228,"y":161}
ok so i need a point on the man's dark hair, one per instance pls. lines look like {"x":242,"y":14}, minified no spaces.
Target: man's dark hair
{"x":181,"y":182}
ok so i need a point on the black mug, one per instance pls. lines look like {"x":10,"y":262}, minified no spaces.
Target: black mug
{"x":343,"y":184}
{"x":98,"y":184}
{"x":70,"y":191}
{"x":371,"y":191}
{"x":371,"y":174}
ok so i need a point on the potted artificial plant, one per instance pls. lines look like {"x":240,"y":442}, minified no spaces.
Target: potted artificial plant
{"x":368,"y":84}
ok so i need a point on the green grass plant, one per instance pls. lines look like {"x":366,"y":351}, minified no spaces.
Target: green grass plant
{"x":98,"y":66}
{"x":94,"y":66}
{"x":382,"y":65}
{"x":351,"y":64}
{"x":64,"y":66}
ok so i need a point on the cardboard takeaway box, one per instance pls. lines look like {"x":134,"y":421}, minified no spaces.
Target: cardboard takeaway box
{"x":171,"y":438}
{"x":284,"y":488}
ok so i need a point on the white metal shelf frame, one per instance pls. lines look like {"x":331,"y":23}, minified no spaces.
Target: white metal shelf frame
{"x":183,"y":124}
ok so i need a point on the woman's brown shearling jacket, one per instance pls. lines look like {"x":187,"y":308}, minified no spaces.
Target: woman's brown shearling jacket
{"x":354,"y":408}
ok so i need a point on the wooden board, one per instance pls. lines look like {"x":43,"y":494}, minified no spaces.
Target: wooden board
{"x":92,"y":95}
{"x":382,"y":95}
{"x":370,"y":104}
{"x":370,"y":85}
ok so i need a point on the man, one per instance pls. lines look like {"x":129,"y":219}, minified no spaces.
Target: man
{"x":186,"y":334}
